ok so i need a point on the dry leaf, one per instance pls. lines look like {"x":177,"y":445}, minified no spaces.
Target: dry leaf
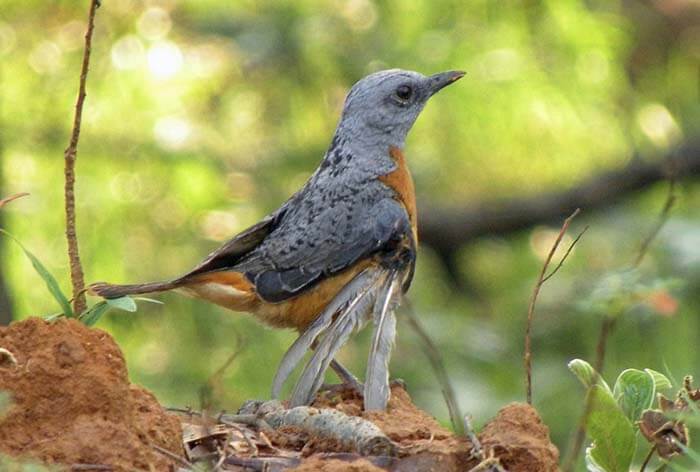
{"x":667,"y":435}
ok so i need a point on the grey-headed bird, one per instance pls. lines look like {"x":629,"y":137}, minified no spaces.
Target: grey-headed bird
{"x":339,"y":253}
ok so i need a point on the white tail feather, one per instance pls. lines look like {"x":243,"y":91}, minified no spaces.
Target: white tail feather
{"x":377,"y":390}
{"x":351,"y":318}
{"x":350,"y":293}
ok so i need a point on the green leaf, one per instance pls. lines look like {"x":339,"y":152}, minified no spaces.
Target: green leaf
{"x":123,"y":303}
{"x":635,"y":392}
{"x":93,"y":314}
{"x":49,"y":279}
{"x":586,"y":373}
{"x":591,"y":464}
{"x":614,"y":441}
{"x":661,"y":382}
{"x":53,"y":317}
{"x":149,"y":300}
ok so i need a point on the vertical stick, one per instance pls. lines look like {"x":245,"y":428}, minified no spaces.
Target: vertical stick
{"x":5,"y":299}
{"x":527,"y":355}
{"x":70,"y":154}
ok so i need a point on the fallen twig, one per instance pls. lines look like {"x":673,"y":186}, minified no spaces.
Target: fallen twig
{"x":486,"y":462}
{"x":171,"y":455}
{"x":527,"y":357}
{"x":259,"y":464}
{"x":91,"y":467}
{"x":352,"y":432}
{"x":490,"y":464}
{"x":70,"y":154}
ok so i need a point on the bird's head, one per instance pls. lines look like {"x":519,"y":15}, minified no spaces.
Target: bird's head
{"x":385,"y":104}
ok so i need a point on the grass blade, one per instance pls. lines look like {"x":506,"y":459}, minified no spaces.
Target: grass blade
{"x":49,"y":279}
{"x":122,"y":303}
{"x":94,"y":313}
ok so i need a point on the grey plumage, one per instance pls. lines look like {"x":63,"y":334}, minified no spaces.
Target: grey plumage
{"x":376,"y":391}
{"x":303,"y":343}
{"x":348,"y":213}
{"x":352,"y":316}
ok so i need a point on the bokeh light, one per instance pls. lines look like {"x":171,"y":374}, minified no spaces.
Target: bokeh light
{"x":164,"y":59}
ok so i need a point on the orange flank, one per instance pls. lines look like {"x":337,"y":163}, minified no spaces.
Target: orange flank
{"x":234,"y":291}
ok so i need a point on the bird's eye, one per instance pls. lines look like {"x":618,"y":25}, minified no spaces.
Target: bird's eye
{"x":404,"y":92}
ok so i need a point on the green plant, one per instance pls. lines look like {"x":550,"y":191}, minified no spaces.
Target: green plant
{"x":615,"y":413}
{"x":92,"y":314}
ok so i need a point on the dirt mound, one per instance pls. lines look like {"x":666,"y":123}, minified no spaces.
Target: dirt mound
{"x":516,"y":437}
{"x":72,"y":402}
{"x":520,"y":439}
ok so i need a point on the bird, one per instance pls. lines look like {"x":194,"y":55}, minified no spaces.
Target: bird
{"x":339,"y":253}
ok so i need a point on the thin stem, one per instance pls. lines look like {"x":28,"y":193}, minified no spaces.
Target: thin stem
{"x":543,"y":277}
{"x":647,"y":459}
{"x":70,"y":155}
{"x":439,"y":367}
{"x":606,"y":328}
{"x":660,"y":222}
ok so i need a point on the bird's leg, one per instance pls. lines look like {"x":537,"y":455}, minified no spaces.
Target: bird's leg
{"x":347,"y":377}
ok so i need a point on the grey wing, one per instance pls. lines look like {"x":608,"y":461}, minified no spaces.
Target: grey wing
{"x":283,"y":268}
{"x":229,"y":254}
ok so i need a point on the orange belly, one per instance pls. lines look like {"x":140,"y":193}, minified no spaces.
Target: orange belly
{"x":233,"y":291}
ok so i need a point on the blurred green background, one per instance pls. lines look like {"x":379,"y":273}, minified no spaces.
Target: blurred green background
{"x":202,"y":116}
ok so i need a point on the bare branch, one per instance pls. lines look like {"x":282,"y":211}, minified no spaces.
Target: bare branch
{"x":527,"y":357}
{"x":446,"y":229}
{"x":70,"y":154}
{"x":566,"y":255}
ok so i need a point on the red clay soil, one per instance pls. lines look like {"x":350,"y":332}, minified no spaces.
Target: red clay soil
{"x":519,"y":438}
{"x":72,"y":402}
{"x":516,"y":436}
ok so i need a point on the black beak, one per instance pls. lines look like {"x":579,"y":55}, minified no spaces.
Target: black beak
{"x":439,"y":81}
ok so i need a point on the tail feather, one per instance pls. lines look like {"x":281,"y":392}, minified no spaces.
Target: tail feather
{"x":377,"y":392}
{"x":351,"y":318}
{"x":303,"y":343}
{"x":106,"y":290}
{"x":349,"y":310}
